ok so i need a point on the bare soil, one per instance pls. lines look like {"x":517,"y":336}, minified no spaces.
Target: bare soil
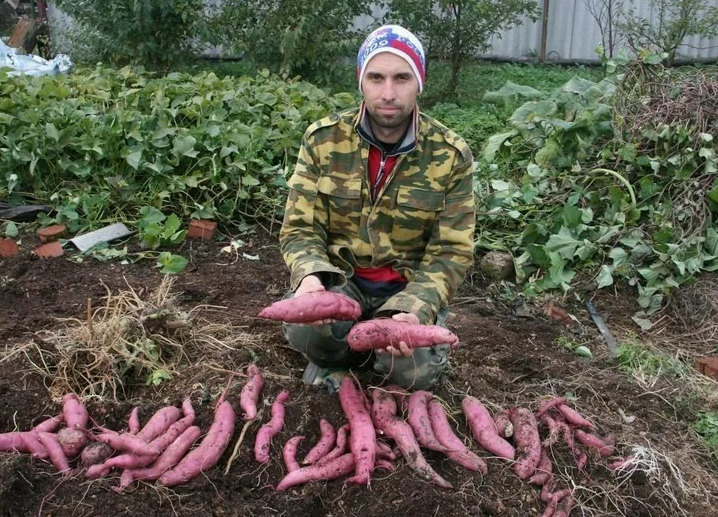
{"x":507,"y":358}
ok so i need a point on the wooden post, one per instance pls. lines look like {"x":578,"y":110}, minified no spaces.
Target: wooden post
{"x":544,"y":31}
{"x":25,"y":35}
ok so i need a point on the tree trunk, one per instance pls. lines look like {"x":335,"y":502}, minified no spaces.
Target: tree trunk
{"x":456,"y":57}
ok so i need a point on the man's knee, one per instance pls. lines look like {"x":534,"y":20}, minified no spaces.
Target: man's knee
{"x":420,"y":371}
{"x":324,"y":345}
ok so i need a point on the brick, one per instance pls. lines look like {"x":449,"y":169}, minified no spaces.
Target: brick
{"x":707,"y":366}
{"x":49,"y":250}
{"x":52,"y":233}
{"x":8,"y":248}
{"x":201,"y":229}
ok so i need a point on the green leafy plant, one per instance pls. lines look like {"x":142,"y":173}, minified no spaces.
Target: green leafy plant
{"x":707,"y":428}
{"x":156,"y":229}
{"x":171,"y":264}
{"x":634,"y":358}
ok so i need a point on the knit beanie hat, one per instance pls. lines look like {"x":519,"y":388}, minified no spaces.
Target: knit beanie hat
{"x":398,"y":41}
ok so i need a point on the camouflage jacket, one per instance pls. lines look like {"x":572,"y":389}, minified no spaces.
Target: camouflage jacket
{"x":422,"y":222}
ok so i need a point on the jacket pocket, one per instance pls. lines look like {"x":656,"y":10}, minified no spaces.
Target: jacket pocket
{"x":416,"y":211}
{"x":341,"y":200}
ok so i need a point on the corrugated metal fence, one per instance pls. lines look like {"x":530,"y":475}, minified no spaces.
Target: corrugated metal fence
{"x":571,"y":33}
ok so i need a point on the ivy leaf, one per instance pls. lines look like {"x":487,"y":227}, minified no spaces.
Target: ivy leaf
{"x":11,"y":229}
{"x":134,"y":159}
{"x":52,"y":131}
{"x":494,"y":144}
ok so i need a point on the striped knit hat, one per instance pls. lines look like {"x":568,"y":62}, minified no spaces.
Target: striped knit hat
{"x":397,"y":40}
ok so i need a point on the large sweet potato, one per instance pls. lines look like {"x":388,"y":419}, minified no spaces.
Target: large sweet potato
{"x":381,"y":333}
{"x":310,"y":307}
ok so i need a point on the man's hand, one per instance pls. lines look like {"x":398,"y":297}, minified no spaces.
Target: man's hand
{"x":402,"y":350}
{"x":311,"y":284}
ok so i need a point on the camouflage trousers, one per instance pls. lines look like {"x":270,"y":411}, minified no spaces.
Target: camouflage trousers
{"x":326,"y":346}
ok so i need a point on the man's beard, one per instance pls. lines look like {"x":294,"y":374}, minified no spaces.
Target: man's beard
{"x":389,"y":122}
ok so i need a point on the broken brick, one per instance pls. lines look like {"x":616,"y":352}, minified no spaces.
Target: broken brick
{"x":51,"y":233}
{"x":8,"y":248}
{"x":707,"y":366}
{"x":201,"y":229}
{"x":49,"y":250}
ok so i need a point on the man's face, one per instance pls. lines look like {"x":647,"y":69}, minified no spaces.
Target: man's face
{"x":390,"y":90}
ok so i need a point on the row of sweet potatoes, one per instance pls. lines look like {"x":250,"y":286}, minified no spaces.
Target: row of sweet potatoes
{"x":162,"y":448}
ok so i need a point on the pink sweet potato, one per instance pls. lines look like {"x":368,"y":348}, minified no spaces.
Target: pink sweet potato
{"x":208,"y":452}
{"x":544,"y":469}
{"x":362,"y":438}
{"x":133,"y":422}
{"x":74,"y":412}
{"x":484,"y":430}
{"x":603,"y":446}
{"x":420,"y":422}
{"x":54,"y":451}
{"x":573,"y":417}
{"x":554,"y":431}
{"x":381,"y":333}
{"x":385,"y":419}
{"x":310,"y":307}
{"x":341,"y":446}
{"x":454,"y":448}
{"x":549,"y":404}
{"x":159,"y":423}
{"x":27,"y":441}
{"x":527,"y":441}
{"x":127,"y":442}
{"x":168,"y":459}
{"x":324,"y":445}
{"x":289,"y":453}
{"x":336,"y":468}
{"x":265,"y":434}
{"x":250,"y":392}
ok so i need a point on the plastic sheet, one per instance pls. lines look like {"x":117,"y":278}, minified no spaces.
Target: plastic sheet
{"x":31,"y":64}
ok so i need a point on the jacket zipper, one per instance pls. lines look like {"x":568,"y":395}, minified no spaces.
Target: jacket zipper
{"x":379,"y":176}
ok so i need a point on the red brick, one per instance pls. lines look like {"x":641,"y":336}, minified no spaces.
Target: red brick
{"x":52,"y":233}
{"x":8,"y":248}
{"x":707,"y":366}
{"x":201,"y":229}
{"x":49,"y":250}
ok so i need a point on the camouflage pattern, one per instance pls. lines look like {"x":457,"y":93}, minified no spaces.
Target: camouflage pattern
{"x":327,"y":347}
{"x":422,"y":222}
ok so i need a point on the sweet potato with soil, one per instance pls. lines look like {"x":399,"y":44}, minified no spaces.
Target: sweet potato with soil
{"x":250,"y":392}
{"x":504,"y":427}
{"x":95,"y":453}
{"x":127,"y":442}
{"x":311,"y":307}
{"x":546,"y":405}
{"x":381,"y":333}
{"x":208,"y":452}
{"x":527,"y":441}
{"x":263,"y":441}
{"x":484,"y":430}
{"x":454,"y":448}
{"x":324,"y":445}
{"x":159,"y":423}
{"x":418,"y":418}
{"x":385,"y":419}
{"x":362,"y":436}
{"x":133,"y":422}
{"x":289,"y":453}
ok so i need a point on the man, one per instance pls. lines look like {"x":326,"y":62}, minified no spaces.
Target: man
{"x":380,"y":208}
